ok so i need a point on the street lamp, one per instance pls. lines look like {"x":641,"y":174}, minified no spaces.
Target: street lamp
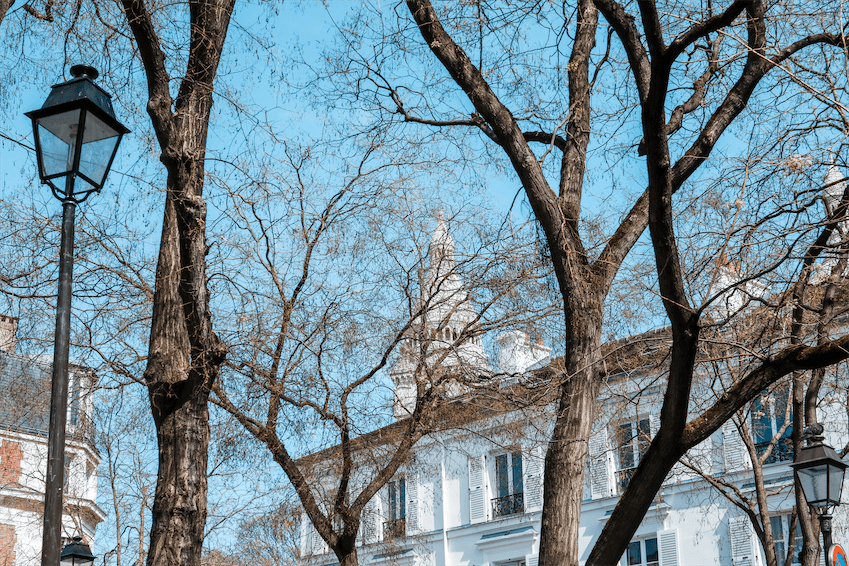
{"x":820,"y":471}
{"x":76,"y":553}
{"x":76,"y":138}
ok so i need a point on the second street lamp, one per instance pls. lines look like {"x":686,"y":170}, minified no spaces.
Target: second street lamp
{"x":76,"y":138}
{"x":820,"y":471}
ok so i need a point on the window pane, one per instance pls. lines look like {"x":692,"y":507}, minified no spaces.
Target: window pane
{"x":402,"y":498}
{"x":501,"y":467}
{"x":393,"y":499}
{"x":517,"y":473}
{"x":761,"y":420}
{"x":644,"y":436}
{"x":798,"y":541}
{"x":635,"y":557}
{"x":777,"y":523}
{"x":651,"y":551}
{"x":782,"y":397}
{"x":626,"y":446}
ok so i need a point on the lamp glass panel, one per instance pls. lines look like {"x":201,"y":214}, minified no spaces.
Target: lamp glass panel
{"x":57,"y":136}
{"x":81,"y":186}
{"x":815,"y":485}
{"x":99,"y":144}
{"x":836,"y":484}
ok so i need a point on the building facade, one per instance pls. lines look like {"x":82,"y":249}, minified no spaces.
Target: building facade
{"x":24,"y":420}
{"x":471,"y":494}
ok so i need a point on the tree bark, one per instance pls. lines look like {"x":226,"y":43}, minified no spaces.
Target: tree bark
{"x":184,"y":352}
{"x":4,"y":7}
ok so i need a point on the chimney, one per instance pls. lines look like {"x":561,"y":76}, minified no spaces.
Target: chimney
{"x":517,"y":354}
{"x":8,"y":330}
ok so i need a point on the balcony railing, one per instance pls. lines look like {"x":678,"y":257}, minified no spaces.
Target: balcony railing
{"x":781,"y":452}
{"x":395,"y":528}
{"x":623,"y":477}
{"x":508,"y":505}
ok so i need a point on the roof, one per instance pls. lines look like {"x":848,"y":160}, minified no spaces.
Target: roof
{"x":25,"y":399}
{"x":495,"y":397}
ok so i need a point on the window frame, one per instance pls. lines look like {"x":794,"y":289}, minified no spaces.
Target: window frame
{"x":631,"y":445}
{"x":783,"y":520}
{"x":767,"y":418}
{"x":642,"y":545}
{"x":508,"y":483}
{"x":395,"y":520}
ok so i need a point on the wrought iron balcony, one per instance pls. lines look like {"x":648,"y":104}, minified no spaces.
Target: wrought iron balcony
{"x":508,"y":505}
{"x":781,"y":452}
{"x":395,"y":528}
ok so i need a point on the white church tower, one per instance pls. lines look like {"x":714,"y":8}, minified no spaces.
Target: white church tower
{"x":446,"y":336}
{"x":835,"y":184}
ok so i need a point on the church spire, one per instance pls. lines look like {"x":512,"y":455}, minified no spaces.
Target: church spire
{"x":441,"y":248}
{"x":446,"y":331}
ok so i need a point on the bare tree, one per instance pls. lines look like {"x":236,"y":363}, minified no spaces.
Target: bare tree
{"x":688,"y":84}
{"x":342,"y":287}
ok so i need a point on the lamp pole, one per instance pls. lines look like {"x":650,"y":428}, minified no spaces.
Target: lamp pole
{"x":76,"y":139}
{"x":51,"y":541}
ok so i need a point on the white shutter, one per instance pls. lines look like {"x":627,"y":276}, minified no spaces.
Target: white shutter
{"x":733,"y":449}
{"x":305,"y":534}
{"x":532,"y":560}
{"x":412,"y":503}
{"x":654,"y":425}
{"x":477,"y":492}
{"x":742,"y":549}
{"x":369,"y":522}
{"x":534,"y":464}
{"x":667,"y":547}
{"x":319,"y":546}
{"x":599,"y":468}
{"x":311,"y":541}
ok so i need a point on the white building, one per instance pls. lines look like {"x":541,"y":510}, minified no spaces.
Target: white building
{"x":24,"y":419}
{"x":471,"y":495}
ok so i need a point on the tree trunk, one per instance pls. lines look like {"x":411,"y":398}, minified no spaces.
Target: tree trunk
{"x":179,"y":377}
{"x":567,"y":451}
{"x":346,"y":550}
{"x":179,"y":508}
{"x":184,"y":352}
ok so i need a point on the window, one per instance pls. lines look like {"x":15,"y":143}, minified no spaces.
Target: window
{"x":641,"y":553}
{"x":768,"y":416}
{"x":396,"y":526}
{"x":632,"y":439}
{"x":781,"y":540}
{"x":67,"y":472}
{"x":509,"y":489}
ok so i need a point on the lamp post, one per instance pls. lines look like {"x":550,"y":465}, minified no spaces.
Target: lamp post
{"x":820,"y":471}
{"x":76,"y":138}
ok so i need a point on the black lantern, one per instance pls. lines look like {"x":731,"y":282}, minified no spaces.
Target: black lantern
{"x":75,"y":553}
{"x":820,"y":471}
{"x":76,"y":136}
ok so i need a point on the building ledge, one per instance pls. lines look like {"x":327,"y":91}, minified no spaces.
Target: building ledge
{"x":508,"y":537}
{"x":401,"y":557}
